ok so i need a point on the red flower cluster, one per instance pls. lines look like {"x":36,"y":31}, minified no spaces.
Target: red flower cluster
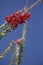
{"x":17,"y":18}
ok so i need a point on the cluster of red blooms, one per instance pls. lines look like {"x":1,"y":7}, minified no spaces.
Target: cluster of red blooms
{"x":17,"y":18}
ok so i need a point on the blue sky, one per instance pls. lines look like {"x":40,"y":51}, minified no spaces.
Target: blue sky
{"x":33,"y":53}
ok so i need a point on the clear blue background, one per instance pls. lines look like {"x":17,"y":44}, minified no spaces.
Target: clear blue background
{"x":33,"y":53}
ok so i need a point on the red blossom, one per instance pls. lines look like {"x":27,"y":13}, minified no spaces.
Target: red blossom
{"x":17,"y":18}
{"x":26,"y":16}
{"x":18,"y":41}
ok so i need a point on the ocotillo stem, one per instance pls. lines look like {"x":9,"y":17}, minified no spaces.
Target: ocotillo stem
{"x":33,"y":5}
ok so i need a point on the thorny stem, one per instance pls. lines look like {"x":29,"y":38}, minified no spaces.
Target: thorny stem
{"x":7,"y":49}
